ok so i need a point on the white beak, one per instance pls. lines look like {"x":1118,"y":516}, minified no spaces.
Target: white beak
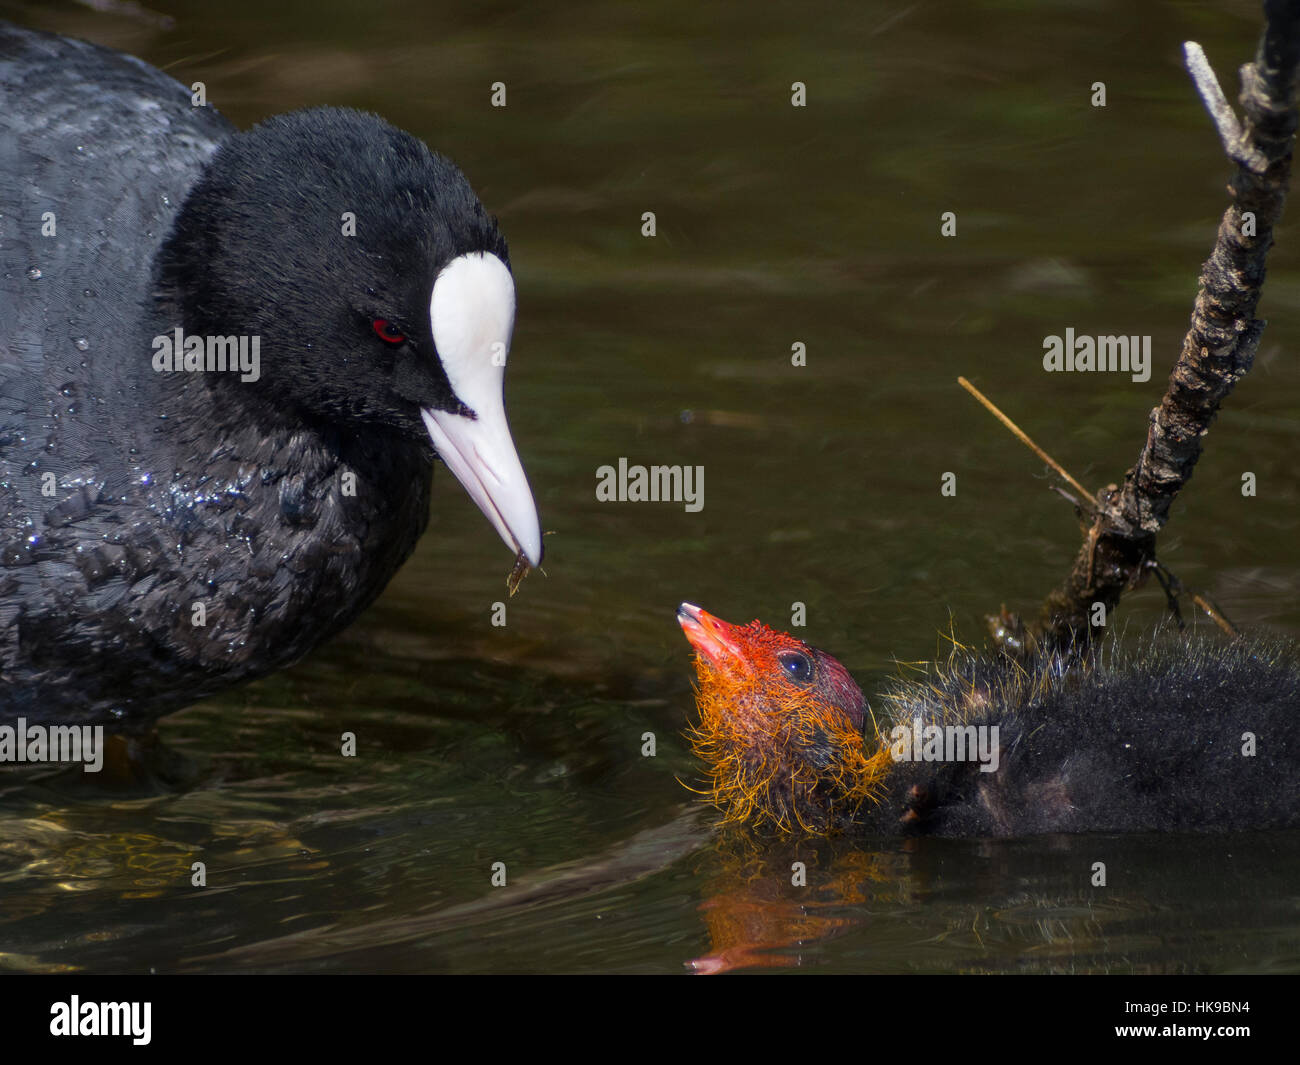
{"x":482,"y":456}
{"x":472,"y":312}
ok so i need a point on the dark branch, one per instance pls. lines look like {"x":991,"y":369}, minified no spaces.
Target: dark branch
{"x":1220,"y":345}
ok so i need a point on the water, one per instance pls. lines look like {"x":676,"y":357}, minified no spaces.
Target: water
{"x":523,"y":745}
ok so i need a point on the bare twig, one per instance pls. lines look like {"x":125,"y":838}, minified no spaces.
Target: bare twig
{"x":1235,"y":143}
{"x":1024,"y":438}
{"x":1216,"y":615}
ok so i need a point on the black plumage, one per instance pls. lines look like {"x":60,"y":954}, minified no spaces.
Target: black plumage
{"x":1166,"y":735}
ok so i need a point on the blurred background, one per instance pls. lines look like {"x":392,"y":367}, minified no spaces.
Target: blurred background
{"x":776,"y":225}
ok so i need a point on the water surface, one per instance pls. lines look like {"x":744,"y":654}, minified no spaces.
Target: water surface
{"x":777,"y":225}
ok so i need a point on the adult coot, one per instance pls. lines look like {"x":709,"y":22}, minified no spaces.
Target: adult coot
{"x":226,"y":362}
{"x":1183,"y":736}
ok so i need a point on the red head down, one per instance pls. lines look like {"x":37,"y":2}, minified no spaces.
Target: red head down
{"x":780,"y":729}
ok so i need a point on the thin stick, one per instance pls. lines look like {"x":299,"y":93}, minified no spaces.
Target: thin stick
{"x":1174,"y":588}
{"x":1082,"y":504}
{"x":1023,"y":437}
{"x":1223,"y":623}
{"x":1235,"y":141}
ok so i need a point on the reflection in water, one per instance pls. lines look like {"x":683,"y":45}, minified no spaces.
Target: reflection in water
{"x":764,"y":905}
{"x":644,"y":854}
{"x":1169,"y":904}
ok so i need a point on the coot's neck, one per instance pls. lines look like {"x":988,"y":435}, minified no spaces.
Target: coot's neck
{"x":207,"y":417}
{"x":197,"y":400}
{"x":256,"y":489}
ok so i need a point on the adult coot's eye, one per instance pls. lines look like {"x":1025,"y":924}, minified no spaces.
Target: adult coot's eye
{"x":798,"y":666}
{"x":387,"y":331}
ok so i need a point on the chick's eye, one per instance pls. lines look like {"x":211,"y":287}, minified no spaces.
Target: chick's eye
{"x":797,"y":666}
{"x":387,"y":331}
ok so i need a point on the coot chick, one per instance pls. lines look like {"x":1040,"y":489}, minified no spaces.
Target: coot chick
{"x":1187,"y":736}
{"x":227,"y":361}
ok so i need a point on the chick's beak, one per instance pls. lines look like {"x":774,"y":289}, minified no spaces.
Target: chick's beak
{"x":711,"y":637}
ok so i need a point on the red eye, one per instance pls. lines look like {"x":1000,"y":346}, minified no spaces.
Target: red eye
{"x":387,"y":331}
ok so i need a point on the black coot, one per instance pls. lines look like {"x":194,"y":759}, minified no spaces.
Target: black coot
{"x":226,"y":362}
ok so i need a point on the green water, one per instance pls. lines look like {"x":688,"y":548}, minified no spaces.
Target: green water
{"x":522,"y":744}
